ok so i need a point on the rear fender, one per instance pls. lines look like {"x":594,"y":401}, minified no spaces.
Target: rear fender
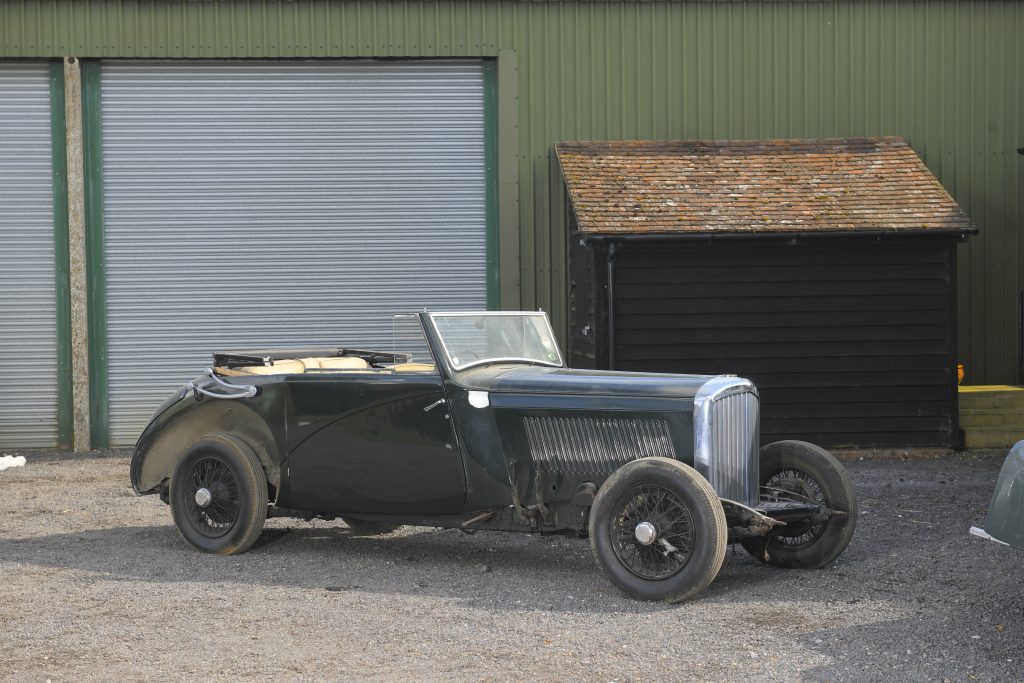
{"x":163,"y":444}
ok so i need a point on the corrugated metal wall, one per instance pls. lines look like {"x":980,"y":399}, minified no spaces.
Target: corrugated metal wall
{"x":945,"y":75}
{"x":261,"y":204}
{"x":28,"y":308}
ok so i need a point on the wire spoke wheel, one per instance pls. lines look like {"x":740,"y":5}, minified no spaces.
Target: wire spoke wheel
{"x":670,"y":547}
{"x":800,"y":472}
{"x":216,"y":517}
{"x":797,"y":485}
{"x":658,"y":530}
{"x":218,"y":495}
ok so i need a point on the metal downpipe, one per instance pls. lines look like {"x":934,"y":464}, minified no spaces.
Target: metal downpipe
{"x":613,"y":248}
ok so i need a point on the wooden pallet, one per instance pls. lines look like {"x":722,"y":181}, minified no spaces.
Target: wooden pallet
{"x":992,"y":416}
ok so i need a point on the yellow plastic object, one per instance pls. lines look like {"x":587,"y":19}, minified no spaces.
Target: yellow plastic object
{"x":988,"y":388}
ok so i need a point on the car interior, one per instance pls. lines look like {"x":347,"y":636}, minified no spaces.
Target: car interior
{"x":299,"y":366}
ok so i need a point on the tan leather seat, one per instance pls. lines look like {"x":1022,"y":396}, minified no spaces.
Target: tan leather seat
{"x":280,"y":367}
{"x":292,"y":366}
{"x":414,"y":367}
{"x":342,"y":363}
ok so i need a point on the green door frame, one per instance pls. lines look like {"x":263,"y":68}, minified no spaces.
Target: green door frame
{"x":61,"y":254}
{"x":492,"y":261}
{"x":96,"y":272}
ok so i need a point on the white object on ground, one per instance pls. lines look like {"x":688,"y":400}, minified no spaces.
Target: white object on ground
{"x":981,"y":533}
{"x":7,"y":461}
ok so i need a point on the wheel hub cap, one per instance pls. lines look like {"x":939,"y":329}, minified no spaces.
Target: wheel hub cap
{"x":645,"y":533}
{"x":203,"y":497}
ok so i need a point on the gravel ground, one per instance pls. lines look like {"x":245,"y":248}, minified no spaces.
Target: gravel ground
{"x":95,"y":584}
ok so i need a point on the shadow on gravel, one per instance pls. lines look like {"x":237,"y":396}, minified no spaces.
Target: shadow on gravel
{"x":486,"y":570}
{"x":911,"y":550}
{"x":495,"y":571}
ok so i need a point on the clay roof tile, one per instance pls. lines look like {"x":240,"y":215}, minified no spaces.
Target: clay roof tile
{"x":829,"y":185}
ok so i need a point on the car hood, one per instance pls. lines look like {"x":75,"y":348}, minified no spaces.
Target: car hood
{"x":563,"y":381}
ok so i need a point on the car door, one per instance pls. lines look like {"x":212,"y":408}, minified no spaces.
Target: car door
{"x":379,"y":441}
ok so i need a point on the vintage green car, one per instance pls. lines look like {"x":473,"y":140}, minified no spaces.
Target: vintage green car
{"x":1005,"y":521}
{"x":475,"y":424}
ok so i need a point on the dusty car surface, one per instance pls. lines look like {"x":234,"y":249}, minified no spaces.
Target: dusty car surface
{"x":1005,"y":521}
{"x":477,"y":424}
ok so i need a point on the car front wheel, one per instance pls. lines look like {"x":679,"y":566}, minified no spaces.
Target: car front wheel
{"x":658,"y":530}
{"x":803,"y":472}
{"x":218,"y":495}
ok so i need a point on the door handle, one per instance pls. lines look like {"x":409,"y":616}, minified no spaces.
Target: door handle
{"x":435,"y":404}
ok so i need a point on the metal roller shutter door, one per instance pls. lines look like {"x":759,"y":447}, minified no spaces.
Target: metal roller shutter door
{"x":28,"y":322}
{"x":273,"y":203}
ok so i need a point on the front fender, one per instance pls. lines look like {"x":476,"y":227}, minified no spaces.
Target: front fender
{"x":1005,"y":521}
{"x":182,"y":420}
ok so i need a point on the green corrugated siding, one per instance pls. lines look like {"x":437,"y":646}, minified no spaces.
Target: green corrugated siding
{"x":945,"y":75}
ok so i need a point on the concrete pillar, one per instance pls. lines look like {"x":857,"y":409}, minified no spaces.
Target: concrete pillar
{"x":77,"y":242}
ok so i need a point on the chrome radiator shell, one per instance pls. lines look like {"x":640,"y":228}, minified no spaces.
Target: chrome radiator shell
{"x":726,"y":437}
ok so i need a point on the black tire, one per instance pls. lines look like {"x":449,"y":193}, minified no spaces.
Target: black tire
{"x":364,"y":527}
{"x":685,"y":513}
{"x":798,"y":470}
{"x":233,"y":518}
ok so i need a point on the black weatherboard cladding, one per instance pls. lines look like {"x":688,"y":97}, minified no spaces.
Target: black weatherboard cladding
{"x":848,"y":339}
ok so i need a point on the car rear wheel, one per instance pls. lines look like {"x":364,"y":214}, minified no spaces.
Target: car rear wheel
{"x":800,"y":471}
{"x":658,"y":530}
{"x":218,"y":495}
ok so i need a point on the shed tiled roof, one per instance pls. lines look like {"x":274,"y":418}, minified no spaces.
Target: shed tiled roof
{"x":762,"y":186}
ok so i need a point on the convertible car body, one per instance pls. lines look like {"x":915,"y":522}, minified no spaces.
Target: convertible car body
{"x":474,"y":422}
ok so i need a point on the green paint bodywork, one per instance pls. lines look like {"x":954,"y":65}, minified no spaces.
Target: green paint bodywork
{"x":364,"y":443}
{"x":411,"y":444}
{"x":1005,"y":521}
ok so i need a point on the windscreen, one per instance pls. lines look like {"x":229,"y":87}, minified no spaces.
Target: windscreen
{"x":408,"y":342}
{"x":478,"y":338}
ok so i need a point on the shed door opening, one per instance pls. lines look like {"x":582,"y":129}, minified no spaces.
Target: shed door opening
{"x":281,"y":204}
{"x":28,"y":309}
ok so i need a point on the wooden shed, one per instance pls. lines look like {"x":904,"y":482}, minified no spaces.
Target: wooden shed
{"x":823,"y":270}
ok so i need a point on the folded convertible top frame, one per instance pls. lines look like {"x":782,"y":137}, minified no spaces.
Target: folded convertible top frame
{"x":235,"y":359}
{"x":247,"y":390}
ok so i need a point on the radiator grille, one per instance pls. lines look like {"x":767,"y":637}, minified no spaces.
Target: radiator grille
{"x":583,"y":445}
{"x":727,"y":437}
{"x":734,"y":445}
